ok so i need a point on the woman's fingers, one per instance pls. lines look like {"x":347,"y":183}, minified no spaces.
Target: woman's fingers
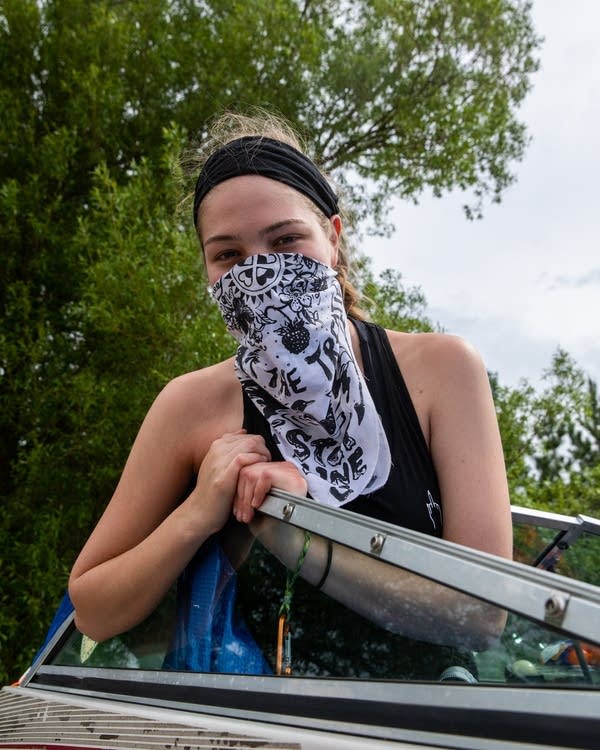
{"x":234,"y":443}
{"x":250,"y":481}
{"x":257,"y":479}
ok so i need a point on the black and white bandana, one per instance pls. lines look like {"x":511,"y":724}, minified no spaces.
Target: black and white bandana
{"x":296,"y":363}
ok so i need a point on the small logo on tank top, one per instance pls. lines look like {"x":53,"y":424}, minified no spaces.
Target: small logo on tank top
{"x":434,"y":510}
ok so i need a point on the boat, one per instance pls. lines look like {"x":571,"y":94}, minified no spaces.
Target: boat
{"x":345,"y":681}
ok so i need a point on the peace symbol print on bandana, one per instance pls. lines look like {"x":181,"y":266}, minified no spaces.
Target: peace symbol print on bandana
{"x":296,"y":363}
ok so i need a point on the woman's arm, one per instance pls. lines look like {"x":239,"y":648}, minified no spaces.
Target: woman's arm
{"x":450,"y":388}
{"x":147,"y":534}
{"x":393,"y":598}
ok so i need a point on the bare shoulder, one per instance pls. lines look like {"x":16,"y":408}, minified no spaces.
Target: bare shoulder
{"x":203,"y":391}
{"x":437,"y":368}
{"x":435,"y":357}
{"x":193,"y":409}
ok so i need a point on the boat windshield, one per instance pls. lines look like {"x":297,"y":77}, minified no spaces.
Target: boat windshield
{"x":393,"y":606}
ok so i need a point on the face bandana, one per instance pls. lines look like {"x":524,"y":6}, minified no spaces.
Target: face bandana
{"x":296,"y":363}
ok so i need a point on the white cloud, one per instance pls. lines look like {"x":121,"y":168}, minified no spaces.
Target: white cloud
{"x":591,"y":278}
{"x":507,"y":349}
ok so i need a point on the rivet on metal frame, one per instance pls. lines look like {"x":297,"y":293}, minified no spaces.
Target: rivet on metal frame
{"x":377,"y":543}
{"x":556,"y":607}
{"x":288,"y":510}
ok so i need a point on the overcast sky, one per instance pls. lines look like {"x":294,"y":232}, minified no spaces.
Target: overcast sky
{"x":526,"y":278}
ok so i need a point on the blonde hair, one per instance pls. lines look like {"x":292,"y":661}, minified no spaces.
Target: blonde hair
{"x":233,"y":125}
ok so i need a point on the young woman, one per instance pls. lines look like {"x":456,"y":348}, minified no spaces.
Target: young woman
{"x":393,"y":425}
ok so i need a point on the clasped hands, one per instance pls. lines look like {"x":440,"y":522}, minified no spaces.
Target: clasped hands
{"x":236,"y":475}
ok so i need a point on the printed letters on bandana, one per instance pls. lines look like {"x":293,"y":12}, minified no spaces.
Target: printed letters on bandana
{"x":296,"y":363}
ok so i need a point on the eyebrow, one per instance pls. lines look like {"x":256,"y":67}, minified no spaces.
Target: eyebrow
{"x":262,"y":232}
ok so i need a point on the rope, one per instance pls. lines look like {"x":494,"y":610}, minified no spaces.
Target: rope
{"x":284,"y":638}
{"x":290,"y":582}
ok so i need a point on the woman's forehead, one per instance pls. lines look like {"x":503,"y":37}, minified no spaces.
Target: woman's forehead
{"x":245,"y":196}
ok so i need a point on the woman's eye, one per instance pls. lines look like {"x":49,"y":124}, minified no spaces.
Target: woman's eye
{"x":225,"y":255}
{"x":287,"y":239}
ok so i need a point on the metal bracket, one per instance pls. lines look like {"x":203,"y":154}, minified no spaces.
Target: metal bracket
{"x":556,"y":607}
{"x":377,"y":543}
{"x":288,"y":511}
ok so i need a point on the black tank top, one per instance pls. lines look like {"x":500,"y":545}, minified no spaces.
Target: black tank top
{"x":411,"y":495}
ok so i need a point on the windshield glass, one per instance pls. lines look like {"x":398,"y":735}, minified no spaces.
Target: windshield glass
{"x":370,"y":620}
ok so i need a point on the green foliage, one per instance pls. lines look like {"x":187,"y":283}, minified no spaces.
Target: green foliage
{"x":410,"y":87}
{"x":585,"y":433}
{"x":550,"y":439}
{"x":388,"y":301}
{"x":512,"y":409}
{"x":142,"y":317}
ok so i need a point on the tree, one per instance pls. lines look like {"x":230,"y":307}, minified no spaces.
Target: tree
{"x":550,"y":439}
{"x":101,"y":292}
{"x":143,"y":316}
{"x":513,"y":409}
{"x":389,"y":302}
{"x":585,"y":435}
{"x":410,"y":87}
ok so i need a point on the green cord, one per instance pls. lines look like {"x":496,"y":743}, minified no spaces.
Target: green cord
{"x":286,"y":602}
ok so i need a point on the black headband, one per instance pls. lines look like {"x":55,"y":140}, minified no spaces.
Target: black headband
{"x":269,"y":158}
